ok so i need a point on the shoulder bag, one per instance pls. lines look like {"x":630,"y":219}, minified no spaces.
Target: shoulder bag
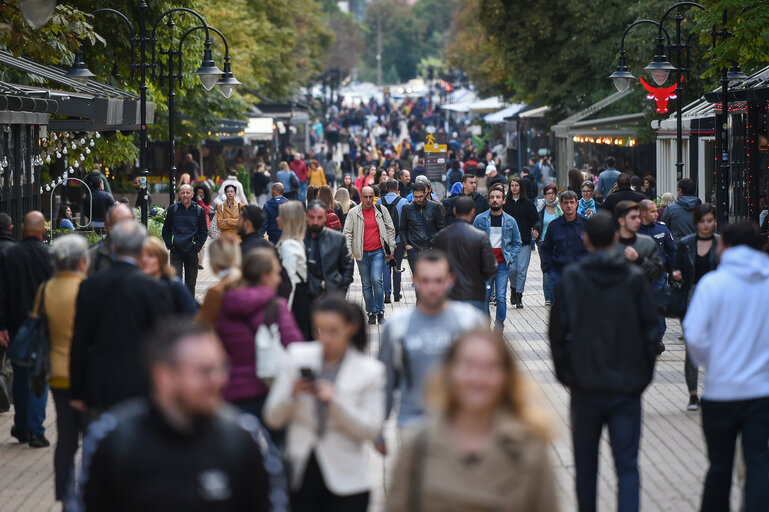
{"x":30,"y":347}
{"x":671,"y":299}
{"x":269,"y":350}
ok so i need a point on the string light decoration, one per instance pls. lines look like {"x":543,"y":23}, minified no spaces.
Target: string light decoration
{"x":613,"y":141}
{"x":65,"y":145}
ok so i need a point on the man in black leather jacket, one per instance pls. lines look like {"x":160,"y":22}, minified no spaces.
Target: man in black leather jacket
{"x":329,"y":265}
{"x":470,"y":255}
{"x":420,"y":222}
{"x":469,"y":189}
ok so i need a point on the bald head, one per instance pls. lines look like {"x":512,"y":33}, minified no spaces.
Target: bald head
{"x":33,"y":224}
{"x":367,"y":198}
{"x":117,"y":214}
{"x":648,"y":212}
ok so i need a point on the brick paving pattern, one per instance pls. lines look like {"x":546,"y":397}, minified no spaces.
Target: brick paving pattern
{"x":673,"y":457}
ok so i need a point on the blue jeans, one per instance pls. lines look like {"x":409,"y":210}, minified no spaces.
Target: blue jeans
{"x":392,"y":280}
{"x":622,"y":414}
{"x":519,"y":268}
{"x":302,"y":196}
{"x":371,"y":272}
{"x":500,"y":283}
{"x":29,"y":409}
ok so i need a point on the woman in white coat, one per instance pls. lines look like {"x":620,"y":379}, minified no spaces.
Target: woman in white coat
{"x":330,"y":411}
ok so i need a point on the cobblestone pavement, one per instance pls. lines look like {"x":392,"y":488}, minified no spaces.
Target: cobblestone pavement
{"x":673,"y":458}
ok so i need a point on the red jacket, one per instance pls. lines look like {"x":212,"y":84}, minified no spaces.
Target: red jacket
{"x":299,"y":168}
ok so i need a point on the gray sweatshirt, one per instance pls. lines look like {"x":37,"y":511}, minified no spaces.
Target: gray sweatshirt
{"x":412,"y":343}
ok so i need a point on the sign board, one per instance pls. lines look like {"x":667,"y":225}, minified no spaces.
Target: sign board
{"x":436,"y":156}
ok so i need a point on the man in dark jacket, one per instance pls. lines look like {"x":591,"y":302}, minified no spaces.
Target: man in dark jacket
{"x":420,"y":222}
{"x":607,"y":364}
{"x":563,"y":241}
{"x":470,"y":255}
{"x":270,"y":225}
{"x":636,"y":248}
{"x":101,"y":258}
{"x":23,"y":268}
{"x":115,"y":309}
{"x":529,"y":184}
{"x":678,"y":216}
{"x":183,"y":437}
{"x":469,"y":188}
{"x":184,"y":232}
{"x":623,"y":193}
{"x":329,"y":265}
{"x":250,"y":220}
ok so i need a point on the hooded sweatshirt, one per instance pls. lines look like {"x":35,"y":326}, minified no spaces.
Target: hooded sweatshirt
{"x":240,"y":316}
{"x":678,"y":216}
{"x":271,"y":218}
{"x":725,"y":326}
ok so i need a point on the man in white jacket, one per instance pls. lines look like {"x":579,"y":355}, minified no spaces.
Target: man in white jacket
{"x":726,"y":330}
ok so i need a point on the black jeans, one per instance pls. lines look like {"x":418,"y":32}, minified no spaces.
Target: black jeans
{"x":721,"y":423}
{"x":691,"y":373}
{"x":314,"y":496}
{"x":189,"y":264}
{"x":622,"y":414}
{"x":392,"y":279}
{"x":70,"y":425}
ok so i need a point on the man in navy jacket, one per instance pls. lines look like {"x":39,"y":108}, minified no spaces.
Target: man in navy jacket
{"x":184,"y":233}
{"x":563,"y":241}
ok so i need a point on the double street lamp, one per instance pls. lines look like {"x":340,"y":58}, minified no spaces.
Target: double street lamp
{"x":209,"y":73}
{"x":660,"y":68}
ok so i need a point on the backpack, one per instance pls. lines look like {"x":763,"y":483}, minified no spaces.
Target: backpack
{"x":333,"y":222}
{"x":393,"y":211}
{"x":453,"y":176}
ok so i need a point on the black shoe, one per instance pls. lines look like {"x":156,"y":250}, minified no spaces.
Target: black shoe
{"x":694,"y":403}
{"x":513,"y":295}
{"x":519,"y":301}
{"x":660,"y":348}
{"x":397,"y":297}
{"x":38,"y":441}
{"x":548,"y":303}
{"x":372,"y":319}
{"x":387,"y":299}
{"x":200,"y":267}
{"x":22,"y":437}
{"x":380,"y":318}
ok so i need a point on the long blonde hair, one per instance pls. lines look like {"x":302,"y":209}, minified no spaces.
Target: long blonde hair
{"x":516,"y":392}
{"x":224,"y":254}
{"x":343,"y":197}
{"x":157,"y":249}
{"x":293,"y":221}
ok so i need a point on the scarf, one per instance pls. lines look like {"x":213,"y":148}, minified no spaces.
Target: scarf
{"x":586,"y":205}
{"x":556,"y":206}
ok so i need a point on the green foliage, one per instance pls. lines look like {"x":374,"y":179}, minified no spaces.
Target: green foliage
{"x":245,"y":179}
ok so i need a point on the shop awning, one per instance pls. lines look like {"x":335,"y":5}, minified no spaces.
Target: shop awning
{"x":501,"y":115}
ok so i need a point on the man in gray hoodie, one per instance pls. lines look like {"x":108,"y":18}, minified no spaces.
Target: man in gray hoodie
{"x":678,"y":216}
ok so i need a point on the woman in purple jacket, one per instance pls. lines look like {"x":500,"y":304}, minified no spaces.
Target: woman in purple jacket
{"x":242,"y":312}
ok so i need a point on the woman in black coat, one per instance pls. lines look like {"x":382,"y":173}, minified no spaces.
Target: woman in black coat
{"x":525,"y":214}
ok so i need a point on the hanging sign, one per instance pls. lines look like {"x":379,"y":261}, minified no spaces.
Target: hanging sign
{"x":436,"y":155}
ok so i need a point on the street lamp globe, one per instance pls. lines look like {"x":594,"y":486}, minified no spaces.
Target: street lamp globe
{"x":227,"y":83}
{"x":622,"y":77}
{"x":79,"y":72}
{"x":735,"y":73}
{"x":37,"y":12}
{"x":208,"y":72}
{"x":660,"y":68}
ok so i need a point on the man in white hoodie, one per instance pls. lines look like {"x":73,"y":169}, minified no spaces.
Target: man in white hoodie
{"x":726,"y":330}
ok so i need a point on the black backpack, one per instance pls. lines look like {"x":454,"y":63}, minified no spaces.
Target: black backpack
{"x":393,"y":211}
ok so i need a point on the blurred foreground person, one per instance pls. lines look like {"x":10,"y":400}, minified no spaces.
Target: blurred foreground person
{"x":71,"y":260}
{"x":330,"y":394}
{"x":486,"y":448}
{"x":243,"y":311}
{"x":726,"y":331}
{"x":115,"y":309}
{"x":182,"y":449}
{"x":607,"y":365}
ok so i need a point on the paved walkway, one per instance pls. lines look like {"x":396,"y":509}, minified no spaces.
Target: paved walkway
{"x":673,"y":458}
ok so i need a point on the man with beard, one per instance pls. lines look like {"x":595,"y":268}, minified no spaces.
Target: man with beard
{"x":250,"y":220}
{"x":330,"y":267}
{"x":421,"y":220}
{"x":505,"y":239}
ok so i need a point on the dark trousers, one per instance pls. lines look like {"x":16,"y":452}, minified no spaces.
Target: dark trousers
{"x":691,"y":373}
{"x":392,"y":279}
{"x":622,"y":414}
{"x":189,"y":264}
{"x":721,"y":423}
{"x":70,"y":424}
{"x":314,"y":496}
{"x":29,"y":409}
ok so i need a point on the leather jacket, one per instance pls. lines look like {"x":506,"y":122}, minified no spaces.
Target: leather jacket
{"x":420,"y":224}
{"x":471,"y":257}
{"x":336,"y":266}
{"x":685,"y":256}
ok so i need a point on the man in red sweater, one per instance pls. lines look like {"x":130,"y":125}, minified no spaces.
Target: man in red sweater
{"x":300,"y":169}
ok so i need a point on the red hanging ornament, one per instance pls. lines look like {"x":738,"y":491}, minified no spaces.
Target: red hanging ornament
{"x":661,"y":95}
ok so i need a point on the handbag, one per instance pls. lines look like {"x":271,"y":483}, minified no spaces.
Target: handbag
{"x":30,"y":347}
{"x":269,"y":350}
{"x":671,"y":299}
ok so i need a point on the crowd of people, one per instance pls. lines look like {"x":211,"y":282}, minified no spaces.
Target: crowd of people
{"x":262,"y":395}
